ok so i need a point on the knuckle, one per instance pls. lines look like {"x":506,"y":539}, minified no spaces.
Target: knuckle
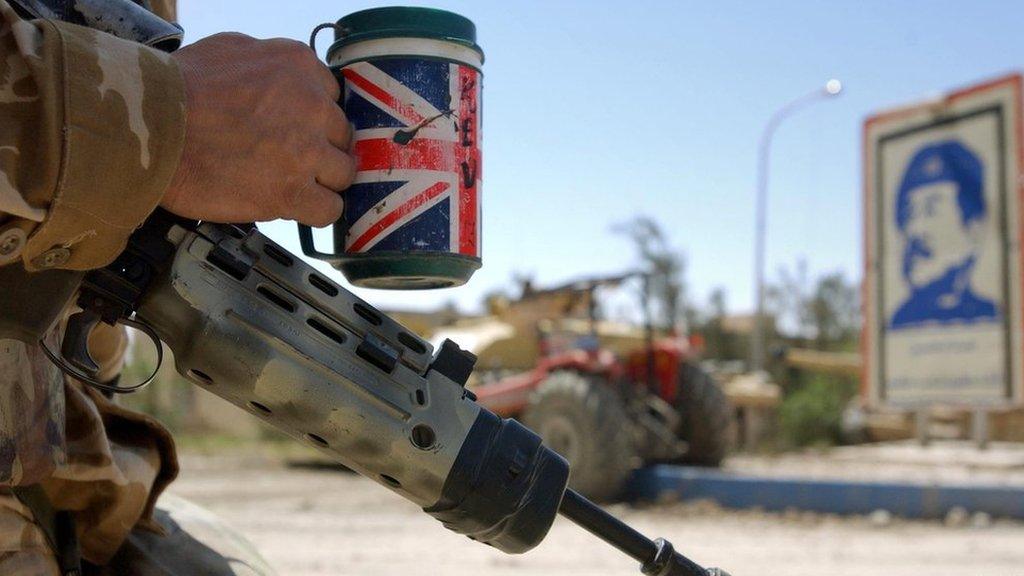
{"x":330,"y":111}
{"x":235,"y":39}
{"x":308,"y":118}
{"x":298,"y":52}
{"x":315,"y":64}
{"x":353,"y":169}
{"x":341,"y":170}
{"x":297,"y":46}
{"x":303,"y":97}
{"x":291,"y":198}
{"x":308,"y":64}
{"x":346,"y":180}
{"x":287,"y":52}
{"x":349,"y":168}
{"x":312,"y":100}
{"x":284,"y":44}
{"x":334,"y":93}
{"x":307,"y":165}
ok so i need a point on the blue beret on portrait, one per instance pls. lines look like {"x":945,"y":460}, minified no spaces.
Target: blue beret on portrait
{"x":947,"y":161}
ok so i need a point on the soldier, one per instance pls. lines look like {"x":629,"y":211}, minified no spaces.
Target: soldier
{"x":95,"y":133}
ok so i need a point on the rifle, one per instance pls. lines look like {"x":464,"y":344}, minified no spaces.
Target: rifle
{"x":257,"y":326}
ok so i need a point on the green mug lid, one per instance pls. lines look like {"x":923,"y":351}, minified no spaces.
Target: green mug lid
{"x":404,"y":21}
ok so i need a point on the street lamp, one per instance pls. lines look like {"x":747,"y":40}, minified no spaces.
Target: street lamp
{"x":831,"y":88}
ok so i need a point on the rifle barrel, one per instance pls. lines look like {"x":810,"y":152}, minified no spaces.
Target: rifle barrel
{"x":657,"y":558}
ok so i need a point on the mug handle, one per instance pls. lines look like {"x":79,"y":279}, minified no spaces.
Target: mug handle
{"x":309,"y":247}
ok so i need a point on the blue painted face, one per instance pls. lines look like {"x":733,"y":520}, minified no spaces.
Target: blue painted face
{"x":937,"y":238}
{"x":941,"y":214}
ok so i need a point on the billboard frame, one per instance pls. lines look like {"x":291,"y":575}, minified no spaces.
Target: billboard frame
{"x":940,"y":112}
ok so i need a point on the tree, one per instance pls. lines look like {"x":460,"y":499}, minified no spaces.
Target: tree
{"x":834,"y":312}
{"x":665,"y":266}
{"x":717,"y":307}
{"x":787,"y":300}
{"x":825,"y":314}
{"x":718,"y":343}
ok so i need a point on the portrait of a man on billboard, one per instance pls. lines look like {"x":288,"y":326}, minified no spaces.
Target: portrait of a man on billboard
{"x":941,"y":215}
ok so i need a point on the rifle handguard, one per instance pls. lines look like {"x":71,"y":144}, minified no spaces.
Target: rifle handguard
{"x":251,"y":323}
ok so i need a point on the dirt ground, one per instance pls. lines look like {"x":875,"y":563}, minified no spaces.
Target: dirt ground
{"x":310,"y":522}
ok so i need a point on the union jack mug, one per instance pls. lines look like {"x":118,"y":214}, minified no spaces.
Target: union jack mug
{"x":411,"y":87}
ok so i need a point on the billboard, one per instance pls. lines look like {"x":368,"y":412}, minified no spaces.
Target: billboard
{"x":942,"y":285}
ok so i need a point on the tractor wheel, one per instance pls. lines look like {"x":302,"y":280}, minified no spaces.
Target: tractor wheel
{"x":583,"y":419}
{"x":705,"y":417}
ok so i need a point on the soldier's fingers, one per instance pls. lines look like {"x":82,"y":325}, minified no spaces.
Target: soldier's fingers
{"x":336,"y":169}
{"x":327,"y":79}
{"x":339,"y":130}
{"x":315,"y":205}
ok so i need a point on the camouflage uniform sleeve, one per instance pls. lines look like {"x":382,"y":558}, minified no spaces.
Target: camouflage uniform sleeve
{"x":166,"y":9}
{"x":91,"y":131}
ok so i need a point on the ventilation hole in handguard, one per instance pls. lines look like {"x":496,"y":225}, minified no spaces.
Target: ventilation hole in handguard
{"x":276,"y":298}
{"x":323,"y":284}
{"x":200,"y":375}
{"x":277,"y":254}
{"x":369,"y":315}
{"x":410,"y":342}
{"x":261,"y":408}
{"x":390,"y":481}
{"x":326,"y":330}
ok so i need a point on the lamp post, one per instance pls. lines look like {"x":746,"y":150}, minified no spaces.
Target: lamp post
{"x":831,"y":88}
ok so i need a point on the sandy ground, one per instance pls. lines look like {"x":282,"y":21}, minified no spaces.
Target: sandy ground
{"x":321,"y":522}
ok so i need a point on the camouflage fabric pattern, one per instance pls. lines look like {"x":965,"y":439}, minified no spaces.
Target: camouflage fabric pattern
{"x":114,"y":462}
{"x":23,"y":546}
{"x":118,"y":463}
{"x":108,"y":119}
{"x":91,"y":130}
{"x":31,"y":413}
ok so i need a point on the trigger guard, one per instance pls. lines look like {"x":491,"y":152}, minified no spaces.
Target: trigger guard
{"x":70,"y":370}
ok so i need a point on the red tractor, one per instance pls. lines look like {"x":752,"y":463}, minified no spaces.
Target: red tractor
{"x":609,"y":412}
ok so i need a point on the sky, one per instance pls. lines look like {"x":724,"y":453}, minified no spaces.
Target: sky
{"x":595,"y":112}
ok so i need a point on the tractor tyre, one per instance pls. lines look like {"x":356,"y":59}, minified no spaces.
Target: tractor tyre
{"x":582,"y":418}
{"x":705,"y":417}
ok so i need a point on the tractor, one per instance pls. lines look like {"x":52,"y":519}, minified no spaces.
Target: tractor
{"x":610,"y":397}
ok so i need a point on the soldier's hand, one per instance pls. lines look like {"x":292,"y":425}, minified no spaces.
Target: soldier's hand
{"x":264,"y":137}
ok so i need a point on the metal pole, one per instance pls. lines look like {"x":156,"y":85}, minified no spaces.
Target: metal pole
{"x":923,"y":426}
{"x":980,"y":428}
{"x":649,"y":381}
{"x":757,"y":345}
